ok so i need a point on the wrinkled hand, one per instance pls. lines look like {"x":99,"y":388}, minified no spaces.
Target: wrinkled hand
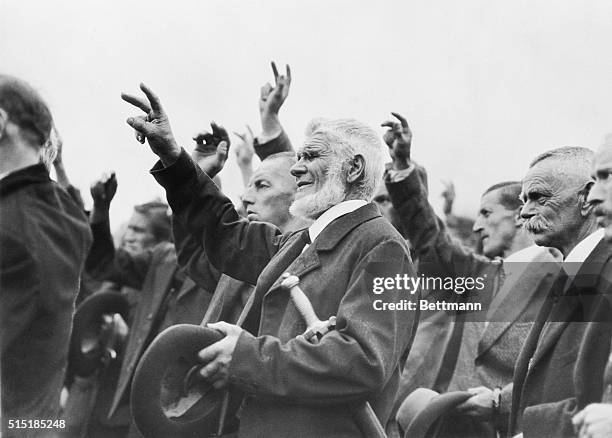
{"x":154,"y":126}
{"x":594,"y":421}
{"x":479,"y":405}
{"x":103,"y":190}
{"x":211,"y":149}
{"x":399,"y":139}
{"x":218,"y":356}
{"x":244,"y":150}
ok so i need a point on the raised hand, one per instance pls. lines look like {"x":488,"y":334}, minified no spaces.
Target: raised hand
{"x":244,"y":150}
{"x":103,"y":190}
{"x":211,"y":149}
{"x":154,"y":125}
{"x":399,"y":139}
{"x":449,"y":196}
{"x":270,"y":101}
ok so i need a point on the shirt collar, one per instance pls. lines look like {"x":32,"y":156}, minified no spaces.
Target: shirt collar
{"x":333,"y":213}
{"x":525,"y":255}
{"x":585,"y":247}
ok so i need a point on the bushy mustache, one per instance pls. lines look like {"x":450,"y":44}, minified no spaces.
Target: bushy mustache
{"x":536,"y":224}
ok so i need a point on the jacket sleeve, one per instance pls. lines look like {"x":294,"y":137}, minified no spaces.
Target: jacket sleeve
{"x":193,"y":259}
{"x":550,"y":420}
{"x":234,"y":246}
{"x":104,"y":262}
{"x":350,"y":363}
{"x":434,"y":247}
{"x":281,"y":143}
{"x":20,"y":284}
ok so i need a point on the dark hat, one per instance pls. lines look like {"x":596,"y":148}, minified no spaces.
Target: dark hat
{"x":168,"y":397}
{"x":87,"y":328}
{"x":421,"y":411}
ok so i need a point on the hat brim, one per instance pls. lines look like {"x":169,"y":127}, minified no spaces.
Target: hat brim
{"x":434,"y":410}
{"x":165,"y":401}
{"x":87,"y":323}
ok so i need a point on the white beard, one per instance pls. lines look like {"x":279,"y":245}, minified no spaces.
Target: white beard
{"x":332,"y":193}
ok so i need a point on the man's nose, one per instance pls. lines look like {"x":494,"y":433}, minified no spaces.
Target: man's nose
{"x":247,"y":196}
{"x":527,"y":210}
{"x":298,"y":169}
{"x":128,"y":236}
{"x":596,"y":194}
{"x":477,"y":225}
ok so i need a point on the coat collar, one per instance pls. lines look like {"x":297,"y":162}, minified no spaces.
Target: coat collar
{"x":517,"y":297}
{"x":35,"y":174}
{"x":336,"y":230}
{"x":290,"y":258}
{"x":560,"y":316}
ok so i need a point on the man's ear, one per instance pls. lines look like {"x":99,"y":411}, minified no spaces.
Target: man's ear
{"x":585,"y":206}
{"x":3,"y":122}
{"x":356,"y":170}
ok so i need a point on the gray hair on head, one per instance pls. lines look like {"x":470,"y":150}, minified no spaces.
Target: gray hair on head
{"x":348,"y":138}
{"x":570,"y":161}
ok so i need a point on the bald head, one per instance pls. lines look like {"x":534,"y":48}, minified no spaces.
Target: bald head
{"x":271,"y":190}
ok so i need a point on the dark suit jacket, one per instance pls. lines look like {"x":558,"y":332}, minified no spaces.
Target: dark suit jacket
{"x":295,"y":388}
{"x":560,"y":368}
{"x":165,"y":300}
{"x":483,"y":354}
{"x":44,"y":239}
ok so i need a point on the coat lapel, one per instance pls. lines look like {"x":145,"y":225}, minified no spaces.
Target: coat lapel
{"x":568,"y":305}
{"x":291,"y":258}
{"x":515,"y":297}
{"x":188,"y":286}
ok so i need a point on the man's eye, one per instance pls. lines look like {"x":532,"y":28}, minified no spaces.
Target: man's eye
{"x":604,"y":175}
{"x":261,"y":184}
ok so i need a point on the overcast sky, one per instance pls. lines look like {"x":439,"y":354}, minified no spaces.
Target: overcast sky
{"x":486,"y":85}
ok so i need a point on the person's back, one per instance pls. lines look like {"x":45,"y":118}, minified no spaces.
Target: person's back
{"x":44,"y":239}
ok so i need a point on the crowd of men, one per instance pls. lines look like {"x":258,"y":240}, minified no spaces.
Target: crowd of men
{"x":80,"y":307}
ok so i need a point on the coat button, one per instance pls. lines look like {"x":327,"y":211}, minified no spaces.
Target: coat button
{"x":150,"y":315}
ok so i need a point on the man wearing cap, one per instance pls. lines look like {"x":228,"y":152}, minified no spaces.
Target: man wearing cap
{"x":44,"y":239}
{"x":294,"y":387}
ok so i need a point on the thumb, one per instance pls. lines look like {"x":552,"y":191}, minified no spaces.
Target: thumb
{"x":138,"y":124}
{"x":221,"y":326}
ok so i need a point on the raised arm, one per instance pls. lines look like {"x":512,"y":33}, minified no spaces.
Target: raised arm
{"x":273,"y":138}
{"x":234,"y":246}
{"x":407,"y":187}
{"x":103,"y":261}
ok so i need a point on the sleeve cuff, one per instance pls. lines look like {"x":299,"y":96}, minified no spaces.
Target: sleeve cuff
{"x":177,"y":174}
{"x":280,"y":143}
{"x":242,"y":367}
{"x":393,"y":175}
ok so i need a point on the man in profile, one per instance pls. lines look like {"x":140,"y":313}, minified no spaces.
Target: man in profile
{"x":294,"y":387}
{"x":44,"y":240}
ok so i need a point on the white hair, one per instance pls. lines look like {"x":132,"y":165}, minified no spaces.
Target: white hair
{"x":332,"y":193}
{"x":348,"y":138}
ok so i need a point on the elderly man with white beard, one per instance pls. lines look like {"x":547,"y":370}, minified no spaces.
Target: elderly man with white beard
{"x":559,"y":370}
{"x":293,"y":387}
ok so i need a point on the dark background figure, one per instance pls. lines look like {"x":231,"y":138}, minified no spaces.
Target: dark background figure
{"x":44,"y":239}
